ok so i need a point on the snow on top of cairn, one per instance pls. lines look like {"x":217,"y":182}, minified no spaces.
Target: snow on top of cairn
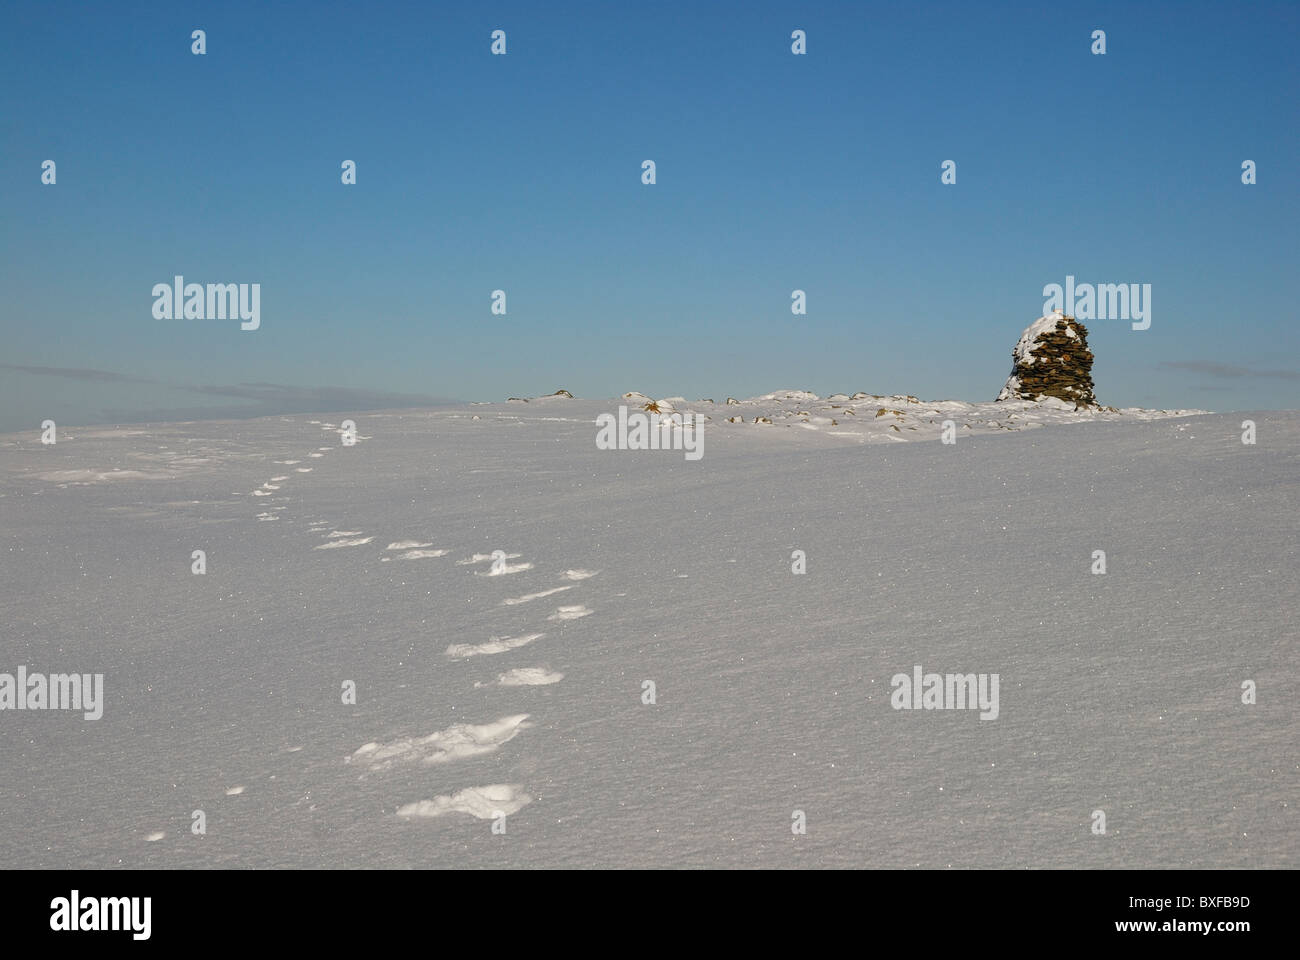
{"x":1024,"y":347}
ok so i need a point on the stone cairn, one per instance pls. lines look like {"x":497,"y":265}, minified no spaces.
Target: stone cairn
{"x":1052,"y":359}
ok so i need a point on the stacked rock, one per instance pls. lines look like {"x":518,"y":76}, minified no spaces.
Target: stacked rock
{"x":1052,"y":359}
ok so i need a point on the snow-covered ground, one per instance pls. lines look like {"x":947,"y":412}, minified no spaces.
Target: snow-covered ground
{"x":499,"y":591}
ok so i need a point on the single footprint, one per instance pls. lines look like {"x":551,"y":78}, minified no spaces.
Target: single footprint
{"x":579,"y":574}
{"x":460,"y":651}
{"x":330,"y":544}
{"x":570,"y":613}
{"x":485,"y":803}
{"x":407,"y":545}
{"x":416,"y":555}
{"x":457,"y":742}
{"x":503,"y":569}
{"x":484,"y":557}
{"x":513,"y":601}
{"x":524,"y":677}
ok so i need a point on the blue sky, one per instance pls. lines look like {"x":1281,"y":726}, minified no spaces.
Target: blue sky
{"x":774,"y":172}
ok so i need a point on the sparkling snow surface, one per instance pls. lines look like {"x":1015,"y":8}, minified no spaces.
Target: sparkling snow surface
{"x":499,"y":666}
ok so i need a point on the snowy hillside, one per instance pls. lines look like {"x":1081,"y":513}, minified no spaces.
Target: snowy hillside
{"x":498,"y":591}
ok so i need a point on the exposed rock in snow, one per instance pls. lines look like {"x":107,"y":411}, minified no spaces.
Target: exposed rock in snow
{"x":557,"y":395}
{"x":900,"y":418}
{"x":1050,"y":385}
